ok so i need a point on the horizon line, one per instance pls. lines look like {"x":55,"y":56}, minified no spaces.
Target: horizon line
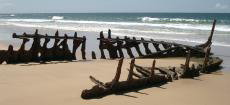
{"x":111,"y":12}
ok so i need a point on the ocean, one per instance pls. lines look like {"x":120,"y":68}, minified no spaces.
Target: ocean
{"x":187,"y":27}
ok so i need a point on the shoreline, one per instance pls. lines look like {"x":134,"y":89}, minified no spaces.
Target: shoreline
{"x":92,"y":42}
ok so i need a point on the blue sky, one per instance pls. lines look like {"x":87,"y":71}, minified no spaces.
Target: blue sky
{"x":79,"y":6}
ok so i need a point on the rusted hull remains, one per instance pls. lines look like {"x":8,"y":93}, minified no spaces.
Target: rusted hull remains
{"x":160,"y":48}
{"x":37,"y":53}
{"x":148,"y":78}
{"x":98,"y":91}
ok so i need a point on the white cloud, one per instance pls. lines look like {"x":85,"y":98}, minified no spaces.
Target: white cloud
{"x":221,"y":6}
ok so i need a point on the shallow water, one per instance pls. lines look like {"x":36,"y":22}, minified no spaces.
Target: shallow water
{"x":188,"y":27}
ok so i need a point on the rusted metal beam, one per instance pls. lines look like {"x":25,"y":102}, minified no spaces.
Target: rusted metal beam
{"x":36,"y":35}
{"x":130,"y":76}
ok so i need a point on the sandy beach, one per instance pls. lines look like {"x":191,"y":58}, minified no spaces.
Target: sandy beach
{"x":62,"y":83}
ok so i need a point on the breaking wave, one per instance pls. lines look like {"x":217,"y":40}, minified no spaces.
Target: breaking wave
{"x":57,"y":17}
{"x":12,"y":15}
{"x":27,"y":20}
{"x":223,"y":28}
{"x":149,"y":19}
{"x":174,"y":29}
{"x":183,"y":20}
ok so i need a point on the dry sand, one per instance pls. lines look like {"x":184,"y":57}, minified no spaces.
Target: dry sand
{"x":62,"y":83}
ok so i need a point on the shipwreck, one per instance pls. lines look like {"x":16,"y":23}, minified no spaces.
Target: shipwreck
{"x":143,"y":77}
{"x":41,"y":53}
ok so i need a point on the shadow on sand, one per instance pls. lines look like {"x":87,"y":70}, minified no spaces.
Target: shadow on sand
{"x":48,"y":63}
{"x":136,"y":90}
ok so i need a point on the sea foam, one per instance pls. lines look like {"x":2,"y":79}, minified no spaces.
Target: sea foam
{"x":183,"y":26}
{"x":12,"y":15}
{"x":27,"y":20}
{"x":225,"y":28}
{"x":57,"y":17}
{"x":151,"y":19}
{"x":124,"y":32}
